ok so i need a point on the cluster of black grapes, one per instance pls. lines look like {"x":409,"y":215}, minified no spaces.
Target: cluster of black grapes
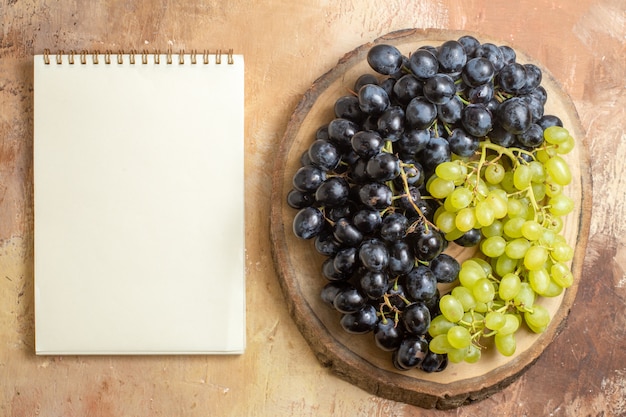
{"x":361,"y":189}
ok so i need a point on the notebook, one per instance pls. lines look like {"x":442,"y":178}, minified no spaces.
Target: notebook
{"x":139,"y":203}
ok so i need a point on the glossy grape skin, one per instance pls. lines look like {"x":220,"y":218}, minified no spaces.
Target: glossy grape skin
{"x":387,"y":335}
{"x":423,"y":64}
{"x":298,"y":199}
{"x":406,"y":88}
{"x":445,"y":268}
{"x":384,"y":59}
{"x":410,"y":353}
{"x":326,"y":244}
{"x":427,"y":244}
{"x":390,"y":124}
{"x":532,"y":137}
{"x":346,"y":233}
{"x":469,"y":44}
{"x":548,"y":120}
{"x":374,"y":255}
{"x":375,"y":194}
{"x":469,"y":238}
{"x":401,"y":258}
{"x":367,"y":220}
{"x":439,"y":89}
{"x":416,"y":318}
{"x":478,"y":71}
{"x":492,"y":53}
{"x":434,"y":362}
{"x":373,"y":99}
{"x":365,"y":79}
{"x":462,"y":143}
{"x":308,"y":223}
{"x":333,"y":192}
{"x":420,"y":113}
{"x":512,"y":78}
{"x":413,"y":141}
{"x":514,"y":115}
{"x":383,"y":167}
{"x":361,"y":321}
{"x":451,"y":56}
{"x":340,"y":132}
{"x":476,"y":120}
{"x":329,"y":292}
{"x":345,"y":260}
{"x":436,"y":151}
{"x":421,"y":283}
{"x":450,"y":112}
{"x":308,"y":178}
{"x":347,"y":107}
{"x":349,"y":300}
{"x":374,"y":284}
{"x":394,"y":227}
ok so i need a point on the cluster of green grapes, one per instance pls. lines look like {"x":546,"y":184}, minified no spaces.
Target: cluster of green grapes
{"x":513,"y":200}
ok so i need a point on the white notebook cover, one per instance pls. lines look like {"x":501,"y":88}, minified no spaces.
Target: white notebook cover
{"x":139,"y":206}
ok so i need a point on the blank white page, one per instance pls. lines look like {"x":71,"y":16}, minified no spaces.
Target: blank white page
{"x":139,"y":206}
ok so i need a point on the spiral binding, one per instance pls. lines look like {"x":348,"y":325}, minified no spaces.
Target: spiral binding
{"x":110,"y":56}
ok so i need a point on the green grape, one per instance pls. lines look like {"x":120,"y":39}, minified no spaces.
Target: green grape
{"x":517,"y":248}
{"x":445,"y":221}
{"x":478,"y":185}
{"x":460,"y":198}
{"x":539,"y":190}
{"x":538,"y":173}
{"x":544,"y":154}
{"x":470,"y":272}
{"x":535,"y":258}
{"x":465,"y":297}
{"x":451,"y":308}
{"x":505,"y":265}
{"x":439,"y":325}
{"x":525,"y":297}
{"x":555,"y":224}
{"x":485,"y":214}
{"x":516,"y":208}
{"x":532,"y":230}
{"x":509,"y":287}
{"x":522,"y":177}
{"x":493,"y":246}
{"x":511,"y":324}
{"x":450,"y":171}
{"x":459,"y":337}
{"x":440,"y":188}
{"x":562,"y":252}
{"x":562,"y":275}
{"x":439,"y":344}
{"x":495,"y":320}
{"x":457,"y":355}
{"x":538,"y":319}
{"x":474,"y":319}
{"x":484,"y":265}
{"x":539,"y":280}
{"x":548,"y":238}
{"x":507,"y":182}
{"x":473,"y":354}
{"x":567,"y":146}
{"x":498,"y":203}
{"x":553,"y":189}
{"x":494,"y":173}
{"x":557,"y":168}
{"x":513,"y":227}
{"x":481,"y":307}
{"x":555,"y":135}
{"x":483,"y":290}
{"x":554,"y":290}
{"x":560,"y":205}
{"x":447,"y":205}
{"x":465,"y":219}
{"x":494,"y":229}
{"x":505,"y":343}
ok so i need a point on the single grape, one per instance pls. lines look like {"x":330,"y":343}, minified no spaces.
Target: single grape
{"x":505,"y":343}
{"x":459,"y":337}
{"x":384,"y":59}
{"x":451,"y":308}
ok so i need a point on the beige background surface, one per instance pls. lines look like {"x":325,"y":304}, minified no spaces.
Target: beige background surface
{"x":287,"y":45}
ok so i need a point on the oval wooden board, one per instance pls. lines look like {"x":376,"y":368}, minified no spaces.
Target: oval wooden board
{"x":355,"y":357}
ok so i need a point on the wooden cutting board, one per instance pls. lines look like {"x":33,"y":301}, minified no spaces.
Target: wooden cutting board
{"x":355,"y":357}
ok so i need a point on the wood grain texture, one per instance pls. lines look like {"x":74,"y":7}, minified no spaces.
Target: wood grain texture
{"x":287,"y":45}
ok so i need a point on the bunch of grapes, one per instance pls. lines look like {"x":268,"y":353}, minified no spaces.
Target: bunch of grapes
{"x":447,"y":144}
